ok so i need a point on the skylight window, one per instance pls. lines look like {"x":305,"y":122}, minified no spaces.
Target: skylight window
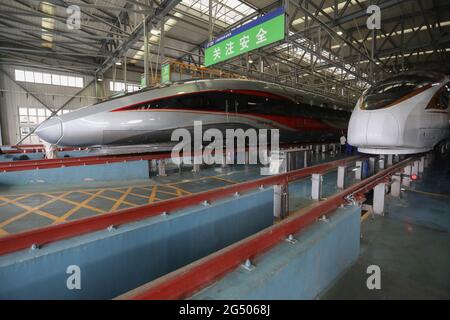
{"x":226,"y":11}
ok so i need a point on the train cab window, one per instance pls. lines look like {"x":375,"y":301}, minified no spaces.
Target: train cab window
{"x":388,"y":91}
{"x":441,"y":99}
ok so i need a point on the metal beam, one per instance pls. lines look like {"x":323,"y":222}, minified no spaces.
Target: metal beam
{"x":151,"y":20}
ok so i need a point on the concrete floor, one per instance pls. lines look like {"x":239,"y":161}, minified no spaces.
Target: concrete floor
{"x":410,"y":244}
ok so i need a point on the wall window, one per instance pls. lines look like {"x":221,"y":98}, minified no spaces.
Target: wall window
{"x":116,"y":86}
{"x":48,"y":78}
{"x":30,"y":118}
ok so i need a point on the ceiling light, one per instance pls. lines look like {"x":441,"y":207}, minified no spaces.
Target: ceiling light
{"x":340,"y":33}
{"x":118,"y":63}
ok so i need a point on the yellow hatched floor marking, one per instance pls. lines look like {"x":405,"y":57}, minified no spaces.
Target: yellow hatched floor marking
{"x":180,"y":191}
{"x":137,"y":195}
{"x":46,"y":214}
{"x":365,"y":216}
{"x":153,"y":194}
{"x":121,"y":199}
{"x":77,"y":204}
{"x":108,"y":198}
{"x":38,"y":211}
{"x":3,"y":232}
{"x":82,"y":204}
{"x":169,"y":193}
{"x":223,"y":179}
{"x":23,"y":214}
{"x":13,"y":201}
{"x":96,"y":193}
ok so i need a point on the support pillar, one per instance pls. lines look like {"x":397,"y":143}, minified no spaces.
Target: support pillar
{"x":415,"y":168}
{"x":341,"y":177}
{"x":381,"y":163}
{"x":371,"y":165}
{"x":396,"y":186}
{"x":224,"y":160}
{"x":324,"y":148}
{"x":280,"y":201}
{"x":358,"y":170}
{"x":406,"y":179}
{"x":396,"y":158}
{"x":389,"y":159}
{"x":316,"y":186}
{"x":379,"y":193}
{"x":162,"y":168}
{"x":422,"y":164}
{"x":305,"y":158}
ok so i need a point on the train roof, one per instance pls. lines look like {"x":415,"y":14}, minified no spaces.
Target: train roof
{"x":167,"y":90}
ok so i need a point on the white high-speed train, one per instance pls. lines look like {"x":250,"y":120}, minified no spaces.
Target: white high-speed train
{"x":404,"y":114}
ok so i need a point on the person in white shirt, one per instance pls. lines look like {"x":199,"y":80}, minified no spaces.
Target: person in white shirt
{"x":343,"y":141}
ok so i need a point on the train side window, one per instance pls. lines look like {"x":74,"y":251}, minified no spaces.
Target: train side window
{"x":250,"y":104}
{"x":191,"y":101}
{"x":215,"y":101}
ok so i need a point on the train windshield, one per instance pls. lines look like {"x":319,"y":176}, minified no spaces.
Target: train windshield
{"x":390,"y":90}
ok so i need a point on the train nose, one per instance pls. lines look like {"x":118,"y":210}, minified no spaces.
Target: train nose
{"x":373,"y":129}
{"x":50,"y":130}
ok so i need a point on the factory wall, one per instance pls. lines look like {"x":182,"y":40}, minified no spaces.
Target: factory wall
{"x":12,"y":96}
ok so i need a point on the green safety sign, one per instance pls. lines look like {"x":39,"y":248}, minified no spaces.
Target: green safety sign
{"x":165,"y":73}
{"x":256,"y":34}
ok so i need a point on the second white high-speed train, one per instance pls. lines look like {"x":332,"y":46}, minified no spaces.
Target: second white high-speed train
{"x":404,"y":114}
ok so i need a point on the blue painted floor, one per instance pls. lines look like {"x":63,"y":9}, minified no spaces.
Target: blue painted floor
{"x":411,"y":244}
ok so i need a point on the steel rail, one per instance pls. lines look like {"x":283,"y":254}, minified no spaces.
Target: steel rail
{"x":188,"y":280}
{"x":22,"y":165}
{"x":33,"y":149}
{"x":76,"y":161}
{"x":43,"y":236}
